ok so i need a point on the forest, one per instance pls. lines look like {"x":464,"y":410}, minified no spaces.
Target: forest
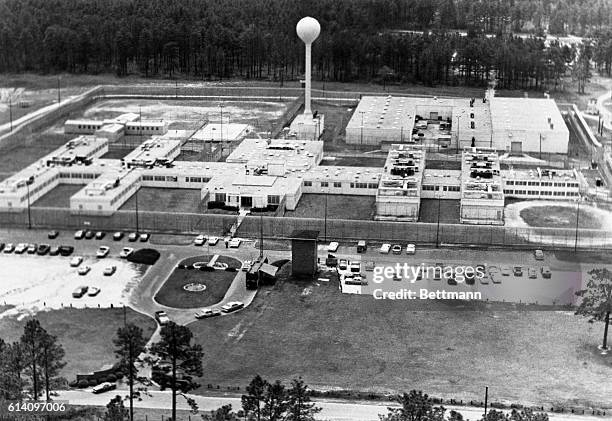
{"x":450,"y":42}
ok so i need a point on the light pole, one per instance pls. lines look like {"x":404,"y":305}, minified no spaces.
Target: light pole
{"x":11,"y":112}
{"x":438,"y":221}
{"x":221,"y":106}
{"x":458,"y":124}
{"x":325,"y":219}
{"x":361,"y":138}
{"x":136,"y":198}
{"x":28,"y":182}
{"x":577,"y":221}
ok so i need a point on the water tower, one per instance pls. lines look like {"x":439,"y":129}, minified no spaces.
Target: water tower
{"x":305,"y":126}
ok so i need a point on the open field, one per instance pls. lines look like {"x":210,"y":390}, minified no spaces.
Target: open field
{"x":86,"y":335}
{"x":561,"y":217}
{"x":217,"y":282}
{"x":59,"y":197}
{"x":347,"y":341}
{"x":338,"y":207}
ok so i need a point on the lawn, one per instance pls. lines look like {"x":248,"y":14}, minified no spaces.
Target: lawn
{"x":217,"y":282}
{"x":59,"y":197}
{"x":338,"y":207}
{"x":450,"y":211}
{"x":332,"y":340}
{"x":36,"y":146}
{"x":86,"y":335}
{"x":559,"y":217}
{"x":166,"y":200}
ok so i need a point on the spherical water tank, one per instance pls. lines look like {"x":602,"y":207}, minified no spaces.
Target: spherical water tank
{"x":308,"y":29}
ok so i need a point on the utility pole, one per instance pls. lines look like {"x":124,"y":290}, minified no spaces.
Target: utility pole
{"x":486,"y":400}
{"x":438,"y":223}
{"x":261,"y":238}
{"x":28,"y":182}
{"x":577,"y":222}
{"x":11,"y":112}
{"x":221,"y":106}
{"x":325,"y":222}
{"x":136,"y":197}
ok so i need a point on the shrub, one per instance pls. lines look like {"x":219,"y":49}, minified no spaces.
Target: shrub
{"x":207,"y":268}
{"x":213,"y":204}
{"x":73,"y":383}
{"x":272,"y":208}
{"x":111,"y":378}
{"x":93,"y":382}
{"x":144,"y":256}
{"x":82,"y":383}
{"x":231,"y":269}
{"x":180,"y":266}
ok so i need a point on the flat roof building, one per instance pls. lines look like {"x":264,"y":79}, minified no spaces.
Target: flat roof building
{"x":153,"y":151}
{"x":539,"y":183}
{"x":482,"y":195}
{"x":226,"y":132}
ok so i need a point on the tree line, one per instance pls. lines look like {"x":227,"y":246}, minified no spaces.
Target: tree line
{"x":363,"y":40}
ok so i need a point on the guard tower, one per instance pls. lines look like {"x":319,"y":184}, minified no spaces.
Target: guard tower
{"x":304,"y":252}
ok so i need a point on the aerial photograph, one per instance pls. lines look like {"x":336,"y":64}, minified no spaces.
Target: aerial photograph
{"x":300,"y":210}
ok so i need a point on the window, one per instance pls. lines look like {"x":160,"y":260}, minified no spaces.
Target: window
{"x":147,"y":178}
{"x":160,"y":178}
{"x":324,"y":184}
{"x":372,"y":185}
{"x":172,"y":178}
{"x":307,"y":183}
{"x":99,"y":207}
{"x":510,"y":183}
{"x":454,"y":188}
{"x":559,"y":184}
{"x":508,"y":191}
{"x":533,"y":183}
{"x":337,"y":184}
{"x":273,"y":199}
{"x":220,"y":197}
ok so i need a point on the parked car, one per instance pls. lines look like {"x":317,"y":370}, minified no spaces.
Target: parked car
{"x":213,"y":240}
{"x":246,"y":265}
{"x":438,"y":273}
{"x":9,"y":248}
{"x":103,"y":387}
{"x":93,"y":291}
{"x":79,"y":235}
{"x":532,"y":273}
{"x":385,"y":248}
{"x":132,"y":237}
{"x":484,"y":279}
{"x":100,"y":235}
{"x":496,"y":279}
{"x":410,"y":249}
{"x":362,"y":246}
{"x":21,"y":248}
{"x":125,"y":252}
{"x":232,"y":306}
{"x":234,"y":243}
{"x":355,"y":267}
{"x":539,"y":254}
{"x":546,"y":272}
{"x":118,"y":236}
{"x":52,"y":234}
{"x":144,"y":237}
{"x":396,"y":249}
{"x":79,"y":292}
{"x":54,"y":251}
{"x":162,"y":318}
{"x":76,"y":261}
{"x":505,"y":270}
{"x":43,"y":249}
{"x":109,"y":271}
{"x":66,"y":250}
{"x":369,"y":266}
{"x":102,"y":252}
{"x":207,"y":312}
{"x":333,"y":246}
{"x":518,"y":271}
{"x":343,"y":264}
{"x":89,"y":234}
{"x":199,"y":240}
{"x":32,"y":248}
{"x":84,"y":270}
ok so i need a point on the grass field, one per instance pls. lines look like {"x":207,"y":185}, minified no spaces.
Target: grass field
{"x":86,"y":335}
{"x":16,"y":157}
{"x":332,"y":340}
{"x":172,"y":293}
{"x":166,"y":200}
{"x":559,"y":217}
{"x":450,"y":211}
{"x":59,"y":197}
{"x":338,"y":207}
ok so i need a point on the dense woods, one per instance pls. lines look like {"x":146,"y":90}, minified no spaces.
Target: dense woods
{"x":428,"y":41}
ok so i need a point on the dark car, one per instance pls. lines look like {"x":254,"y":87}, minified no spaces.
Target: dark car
{"x":54,"y":251}
{"x":89,"y":234}
{"x":100,"y":235}
{"x":52,"y":234}
{"x":1,"y":246}
{"x":118,"y":236}
{"x":43,"y":249}
{"x":66,"y":250}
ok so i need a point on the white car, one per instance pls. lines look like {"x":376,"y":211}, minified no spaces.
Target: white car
{"x":125,"y":252}
{"x":333,"y":246}
{"x":385,"y":248}
{"x":79,"y":235}
{"x":234,"y":243}
{"x":246,"y":265}
{"x":103,"y":387}
{"x":232,"y":306}
{"x":9,"y":248}
{"x":84,"y":270}
{"x":109,"y":271}
{"x":355,"y":267}
{"x":132,"y":237}
{"x":76,"y":261}
{"x":213,"y":240}
{"x":93,"y":291}
{"x":162,"y":318}
{"x":102,"y":252}
{"x":207,"y":312}
{"x":199,"y":240}
{"x":506,"y":271}
{"x":410,"y":249}
{"x":144,"y":237}
{"x":21,"y":248}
